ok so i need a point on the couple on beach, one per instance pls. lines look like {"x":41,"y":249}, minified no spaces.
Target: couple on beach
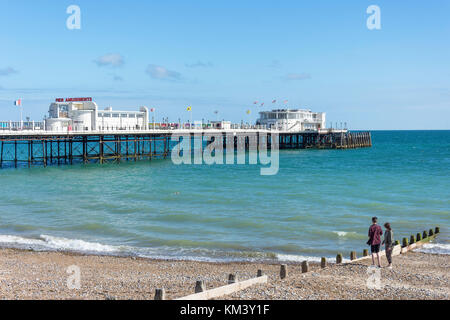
{"x":375,"y":233}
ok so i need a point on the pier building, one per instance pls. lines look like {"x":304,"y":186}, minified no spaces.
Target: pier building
{"x":292,"y":120}
{"x":83,"y":114}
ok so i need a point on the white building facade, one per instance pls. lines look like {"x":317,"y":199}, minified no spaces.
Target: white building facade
{"x":82,"y":114}
{"x":292,"y":120}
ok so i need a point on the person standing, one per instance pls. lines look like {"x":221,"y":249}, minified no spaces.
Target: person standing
{"x":375,"y":233}
{"x":388,"y":243}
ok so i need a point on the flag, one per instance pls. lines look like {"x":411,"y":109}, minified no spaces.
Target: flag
{"x":248,"y":111}
{"x":189,"y":108}
{"x":274,"y":101}
{"x":18,"y":102}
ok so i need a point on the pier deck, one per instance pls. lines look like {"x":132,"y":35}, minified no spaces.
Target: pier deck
{"x":18,"y":148}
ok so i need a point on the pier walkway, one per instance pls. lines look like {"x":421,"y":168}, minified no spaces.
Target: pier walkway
{"x":39,"y":147}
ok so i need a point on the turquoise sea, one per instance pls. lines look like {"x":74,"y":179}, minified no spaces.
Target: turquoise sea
{"x":318,"y":204}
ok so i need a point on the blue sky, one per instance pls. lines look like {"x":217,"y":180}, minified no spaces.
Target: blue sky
{"x":224,"y":55}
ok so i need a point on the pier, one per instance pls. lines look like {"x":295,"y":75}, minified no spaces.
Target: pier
{"x":40,"y":147}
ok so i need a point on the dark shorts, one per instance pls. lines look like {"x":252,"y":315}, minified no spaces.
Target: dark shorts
{"x":375,"y":248}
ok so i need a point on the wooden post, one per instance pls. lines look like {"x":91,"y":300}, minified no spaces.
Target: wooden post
{"x":339,"y":258}
{"x":160,"y":294}
{"x":412,"y":239}
{"x":259,"y":273}
{"x":405,"y":242}
{"x":353,"y":255}
{"x":232,"y":278}
{"x":419,"y":236}
{"x":425,"y":235}
{"x":397,"y":242}
{"x":283,"y":271}
{"x":365,"y":252}
{"x":200,"y":286}
{"x":305,"y":266}
{"x":431,"y":232}
{"x":323,"y":262}
{"x":436,"y":230}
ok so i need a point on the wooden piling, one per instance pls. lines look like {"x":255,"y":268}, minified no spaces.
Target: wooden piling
{"x":259,"y":273}
{"x":365,"y":252}
{"x":232,"y":278}
{"x":424,"y":235}
{"x":419,"y":236}
{"x":200,"y":286}
{"x":339,"y":258}
{"x":431,"y":232}
{"x":305,"y":266}
{"x":405,"y":242}
{"x":283,"y":271}
{"x":160,"y":294}
{"x":353,"y":255}
{"x":412,"y":239}
{"x":437,"y":230}
{"x":323,"y":262}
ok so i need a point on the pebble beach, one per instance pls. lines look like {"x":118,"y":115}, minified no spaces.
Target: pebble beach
{"x":44,"y":275}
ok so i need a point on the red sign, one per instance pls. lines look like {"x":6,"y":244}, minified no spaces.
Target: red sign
{"x":73,"y":99}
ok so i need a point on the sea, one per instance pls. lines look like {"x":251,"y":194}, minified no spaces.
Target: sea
{"x":320,"y":203}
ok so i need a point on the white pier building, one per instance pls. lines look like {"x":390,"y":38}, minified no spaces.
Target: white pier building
{"x":82,"y":114}
{"x":292,"y":120}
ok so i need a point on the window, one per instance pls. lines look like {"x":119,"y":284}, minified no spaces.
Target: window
{"x":115,"y":115}
{"x":107,"y":115}
{"x":100,"y":115}
{"x":124,"y":115}
{"x":132,"y":115}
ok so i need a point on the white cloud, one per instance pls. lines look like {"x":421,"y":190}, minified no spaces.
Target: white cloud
{"x":162,"y":73}
{"x":200,"y":64}
{"x":297,"y":76}
{"x":112,"y":60}
{"x":7,"y":71}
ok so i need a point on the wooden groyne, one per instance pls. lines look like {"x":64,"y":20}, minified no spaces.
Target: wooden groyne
{"x":47,"y":148}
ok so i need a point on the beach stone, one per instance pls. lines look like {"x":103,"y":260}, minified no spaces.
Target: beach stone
{"x":259,"y":273}
{"x":283,"y":271}
{"x":339,"y":258}
{"x":323,"y":262}
{"x":200,"y":286}
{"x":305,"y":266}
{"x":353,"y":255}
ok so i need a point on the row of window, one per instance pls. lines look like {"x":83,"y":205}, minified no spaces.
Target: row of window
{"x":122,"y":115}
{"x":274,"y":115}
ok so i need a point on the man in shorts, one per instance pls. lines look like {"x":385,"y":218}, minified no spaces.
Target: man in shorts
{"x":375,"y":233}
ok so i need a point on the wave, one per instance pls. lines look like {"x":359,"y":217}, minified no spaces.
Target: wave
{"x":436,"y":248}
{"x":51,"y":243}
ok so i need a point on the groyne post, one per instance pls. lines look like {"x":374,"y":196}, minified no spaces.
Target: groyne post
{"x":424,"y":235}
{"x":160,"y":294}
{"x":339,"y":258}
{"x":412,"y":239}
{"x":437,"y":230}
{"x":405,"y":242}
{"x":305,"y":266}
{"x":419,"y":236}
{"x":232,"y":278}
{"x":323,"y":262}
{"x":283,"y":271}
{"x":353,"y":255}
{"x":200,"y":286}
{"x":259,"y":273}
{"x":365,"y":252}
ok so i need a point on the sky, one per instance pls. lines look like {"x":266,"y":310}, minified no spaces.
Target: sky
{"x":225,"y":55}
